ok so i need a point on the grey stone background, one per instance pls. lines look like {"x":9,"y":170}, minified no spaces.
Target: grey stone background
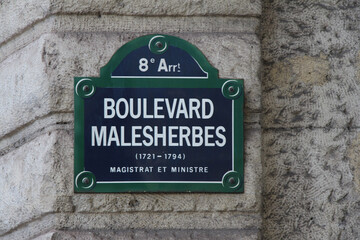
{"x":310,"y":120}
{"x":301,"y":65}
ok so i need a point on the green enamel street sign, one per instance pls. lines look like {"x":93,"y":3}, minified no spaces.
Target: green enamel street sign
{"x":158,"y":119}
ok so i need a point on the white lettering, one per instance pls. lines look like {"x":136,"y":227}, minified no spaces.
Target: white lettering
{"x":182,"y":109}
{"x":134,"y":136}
{"x":113,"y":136}
{"x":122,"y":137}
{"x":197,"y":139}
{"x":108,"y":107}
{"x":209,"y":136}
{"x":162,"y":65}
{"x":150,"y":138}
{"x":184,"y":136}
{"x":221,"y":136}
{"x":194,"y":105}
{"x":158,"y":108}
{"x":172,"y":136}
{"x":171,"y":111}
{"x":99,"y":137}
{"x":132,"y":107}
{"x":126,"y":108}
{"x":211,"y":105}
{"x":146,"y":115}
{"x":158,"y":135}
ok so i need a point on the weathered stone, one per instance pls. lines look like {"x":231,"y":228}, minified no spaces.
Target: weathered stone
{"x":158,"y":8}
{"x":353,"y":155}
{"x":24,"y":90}
{"x":310,"y":71}
{"x":151,"y":234}
{"x":25,"y":14}
{"x":302,"y":101}
{"x":18,"y":15}
{"x":288,"y":74}
{"x":49,"y":236}
{"x":358,"y":66}
{"x":311,"y":119}
{"x":308,"y":192}
{"x":158,"y":220}
{"x":28,"y":132}
{"x":33,"y":183}
{"x":121,"y":25}
{"x":35,"y":227}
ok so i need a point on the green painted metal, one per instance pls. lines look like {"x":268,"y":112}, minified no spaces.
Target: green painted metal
{"x":85,"y":87}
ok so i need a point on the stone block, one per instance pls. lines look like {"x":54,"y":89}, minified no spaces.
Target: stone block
{"x":23,"y":15}
{"x":36,"y":228}
{"x":16,"y":16}
{"x":49,"y":236}
{"x":160,"y":221}
{"x":24,"y":93}
{"x":300,"y":93}
{"x":35,"y":178}
{"x":137,"y":25}
{"x":309,"y":192}
{"x":160,"y":8}
{"x":28,"y":132}
{"x":151,"y":235}
{"x":311,"y":64}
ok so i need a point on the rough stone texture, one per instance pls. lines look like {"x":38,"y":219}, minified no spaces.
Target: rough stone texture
{"x":37,"y":227}
{"x":128,"y":24}
{"x":151,"y":235}
{"x":57,"y":40}
{"x":309,"y":190}
{"x":158,"y":220}
{"x":27,"y":92}
{"x":28,"y":13}
{"x":311,"y":63}
{"x":34,"y":184}
{"x":353,"y":154}
{"x":156,"y":8}
{"x":311,"y":119}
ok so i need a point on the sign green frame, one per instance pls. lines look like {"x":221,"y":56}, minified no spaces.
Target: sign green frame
{"x":85,"y":87}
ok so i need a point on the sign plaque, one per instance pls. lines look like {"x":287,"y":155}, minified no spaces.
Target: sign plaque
{"x":158,"y":119}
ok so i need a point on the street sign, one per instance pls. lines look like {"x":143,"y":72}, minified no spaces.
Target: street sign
{"x":158,"y":119}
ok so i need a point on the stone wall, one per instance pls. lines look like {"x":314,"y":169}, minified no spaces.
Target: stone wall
{"x":310,"y":121}
{"x":301,"y":65}
{"x":43,"y":45}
